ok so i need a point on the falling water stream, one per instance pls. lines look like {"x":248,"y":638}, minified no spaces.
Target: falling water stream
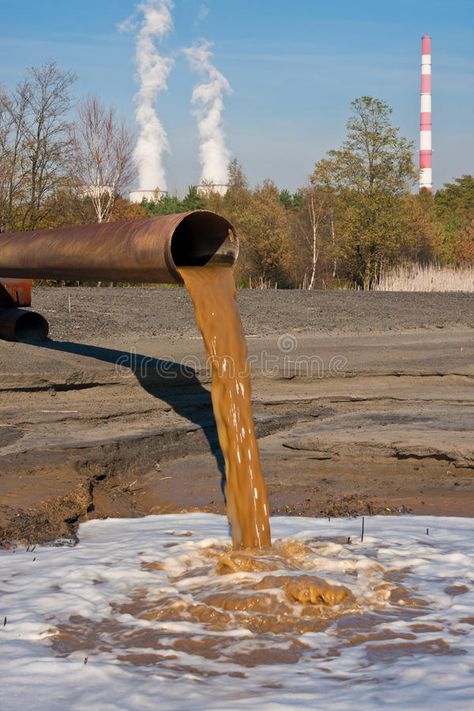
{"x":213,"y":292}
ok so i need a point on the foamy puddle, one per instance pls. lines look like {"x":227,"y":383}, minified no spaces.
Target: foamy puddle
{"x":160,"y":613}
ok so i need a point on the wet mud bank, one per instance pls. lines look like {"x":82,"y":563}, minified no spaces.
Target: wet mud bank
{"x":349,"y":422}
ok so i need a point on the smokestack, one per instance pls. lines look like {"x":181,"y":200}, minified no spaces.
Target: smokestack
{"x":426,"y":178}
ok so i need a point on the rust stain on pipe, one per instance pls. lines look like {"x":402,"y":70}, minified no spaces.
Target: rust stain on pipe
{"x":146,"y":250}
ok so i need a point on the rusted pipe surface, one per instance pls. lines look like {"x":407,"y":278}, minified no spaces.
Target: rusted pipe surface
{"x":145,"y":250}
{"x":15,"y":292}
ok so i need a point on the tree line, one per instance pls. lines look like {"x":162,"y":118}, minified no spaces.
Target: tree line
{"x":356,"y":217}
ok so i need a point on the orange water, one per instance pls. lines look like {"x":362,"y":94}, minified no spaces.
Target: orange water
{"x":213,"y":292}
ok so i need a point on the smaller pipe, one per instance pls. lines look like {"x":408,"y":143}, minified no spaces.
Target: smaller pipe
{"x":15,"y":292}
{"x":22,"y":325}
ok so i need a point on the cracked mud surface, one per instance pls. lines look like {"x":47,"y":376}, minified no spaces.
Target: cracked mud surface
{"x":363,"y":404}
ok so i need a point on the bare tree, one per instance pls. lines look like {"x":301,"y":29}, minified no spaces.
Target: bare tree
{"x":103,"y":162}
{"x":333,"y":242}
{"x":34,"y":130}
{"x":13,"y":110}
{"x":310,"y":225}
{"x":47,"y":142}
{"x":4,"y":160}
{"x":315,"y":211}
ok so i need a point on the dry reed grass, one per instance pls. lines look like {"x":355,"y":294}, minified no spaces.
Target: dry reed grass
{"x":427,"y":278}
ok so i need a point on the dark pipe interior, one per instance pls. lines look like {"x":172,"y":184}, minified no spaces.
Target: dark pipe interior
{"x":5,"y":297}
{"x":31,"y":327}
{"x":200,"y":237}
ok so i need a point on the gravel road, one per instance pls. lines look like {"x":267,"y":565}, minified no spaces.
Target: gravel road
{"x":108,"y":312}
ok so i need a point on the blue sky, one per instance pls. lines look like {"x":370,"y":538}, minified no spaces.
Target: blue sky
{"x":294,"y":68}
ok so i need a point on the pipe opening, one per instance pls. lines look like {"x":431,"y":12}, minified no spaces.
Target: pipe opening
{"x":22,"y":325}
{"x":31,"y":327}
{"x":203,"y":237}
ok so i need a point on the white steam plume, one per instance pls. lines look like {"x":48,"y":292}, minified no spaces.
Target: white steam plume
{"x":153,"y":72}
{"x":208,"y":97}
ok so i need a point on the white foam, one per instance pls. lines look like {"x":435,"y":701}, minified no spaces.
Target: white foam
{"x":428,"y":667}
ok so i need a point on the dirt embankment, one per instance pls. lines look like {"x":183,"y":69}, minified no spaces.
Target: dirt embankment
{"x":366,"y":408}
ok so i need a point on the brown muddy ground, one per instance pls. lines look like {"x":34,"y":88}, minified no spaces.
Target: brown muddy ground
{"x":363,"y":404}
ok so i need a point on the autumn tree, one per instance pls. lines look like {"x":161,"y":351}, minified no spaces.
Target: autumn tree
{"x":236,"y":178}
{"x":454,"y":204}
{"x":373,"y":158}
{"x":123,"y":209}
{"x":422,"y":233}
{"x":264,"y":227}
{"x":235,"y":205}
{"x":464,"y":249}
{"x":103,"y":156}
{"x":367,"y":177}
{"x":238,"y":195}
{"x":214,"y":201}
{"x":371,"y":236}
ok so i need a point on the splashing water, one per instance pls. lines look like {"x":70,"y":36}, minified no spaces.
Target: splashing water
{"x":164,"y":612}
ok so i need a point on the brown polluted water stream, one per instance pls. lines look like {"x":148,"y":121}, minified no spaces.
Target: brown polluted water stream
{"x":212,"y":289}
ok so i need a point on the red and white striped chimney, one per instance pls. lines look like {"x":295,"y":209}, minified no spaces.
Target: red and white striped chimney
{"x":426,"y":177}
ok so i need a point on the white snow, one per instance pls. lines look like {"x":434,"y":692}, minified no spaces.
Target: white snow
{"x":408,"y":651}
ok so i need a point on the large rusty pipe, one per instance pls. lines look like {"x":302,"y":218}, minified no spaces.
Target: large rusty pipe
{"x":146,"y":250}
